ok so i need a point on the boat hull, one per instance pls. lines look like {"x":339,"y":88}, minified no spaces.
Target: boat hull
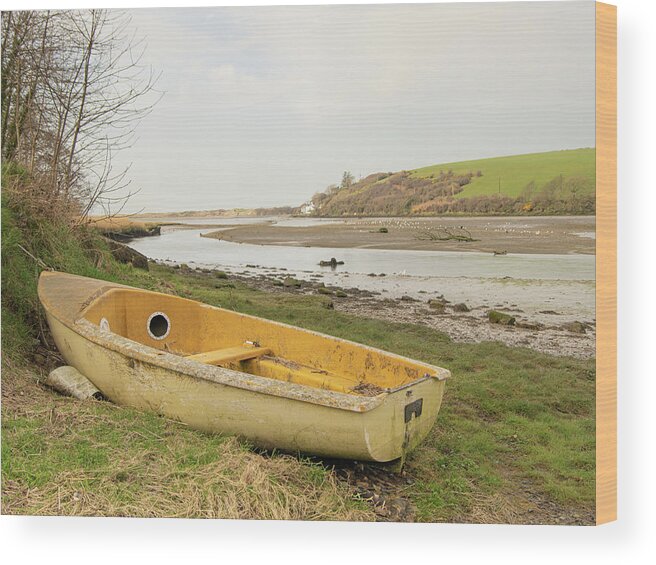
{"x":268,"y":413}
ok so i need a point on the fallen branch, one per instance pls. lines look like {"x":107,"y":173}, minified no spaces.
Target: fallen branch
{"x":38,"y":261}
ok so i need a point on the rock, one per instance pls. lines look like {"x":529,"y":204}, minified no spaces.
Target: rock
{"x":332,"y":263}
{"x":124,"y":254}
{"x":436,"y":305}
{"x":324,"y":290}
{"x":496,"y":317}
{"x":220,"y":275}
{"x":340,"y":294}
{"x":530,"y":325}
{"x":574,"y":327}
{"x":290,"y":282}
{"x":407,"y":298}
{"x":460,"y":307}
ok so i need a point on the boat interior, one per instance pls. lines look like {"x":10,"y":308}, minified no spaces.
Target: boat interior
{"x":214,"y":336}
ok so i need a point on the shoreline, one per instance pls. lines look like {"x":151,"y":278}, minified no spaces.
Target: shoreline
{"x":547,"y":333}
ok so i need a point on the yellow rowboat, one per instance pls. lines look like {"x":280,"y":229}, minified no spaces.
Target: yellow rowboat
{"x":220,"y":371}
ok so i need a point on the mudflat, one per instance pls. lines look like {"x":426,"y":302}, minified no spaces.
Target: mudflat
{"x":525,"y":234}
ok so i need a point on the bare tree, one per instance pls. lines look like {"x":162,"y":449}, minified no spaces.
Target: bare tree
{"x":347,"y":179}
{"x":73,"y":90}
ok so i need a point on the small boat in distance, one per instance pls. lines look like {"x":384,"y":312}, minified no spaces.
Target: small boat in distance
{"x":217,"y":370}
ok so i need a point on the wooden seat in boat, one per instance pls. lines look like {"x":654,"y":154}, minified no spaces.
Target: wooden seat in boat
{"x":229,"y":355}
{"x":275,"y":367}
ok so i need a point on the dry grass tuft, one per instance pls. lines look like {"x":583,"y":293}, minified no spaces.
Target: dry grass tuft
{"x":241,"y":485}
{"x":496,"y":508}
{"x":87,"y":458}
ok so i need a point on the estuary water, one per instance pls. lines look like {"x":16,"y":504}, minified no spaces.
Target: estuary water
{"x":530,"y":282}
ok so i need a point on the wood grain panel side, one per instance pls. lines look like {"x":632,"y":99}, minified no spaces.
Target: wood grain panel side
{"x":606,"y":168}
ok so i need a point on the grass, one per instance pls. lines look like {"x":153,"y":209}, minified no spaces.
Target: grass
{"x":28,"y":239}
{"x":124,"y":225}
{"x":67,"y":457}
{"x":514,"y":440}
{"x":516,"y":171}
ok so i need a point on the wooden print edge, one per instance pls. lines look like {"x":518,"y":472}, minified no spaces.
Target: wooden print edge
{"x":606,"y":261}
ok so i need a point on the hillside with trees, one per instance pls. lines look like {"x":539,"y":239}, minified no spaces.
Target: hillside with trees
{"x":556,"y":182}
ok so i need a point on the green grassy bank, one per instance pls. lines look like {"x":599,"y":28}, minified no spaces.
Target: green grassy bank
{"x":550,"y":183}
{"x":510,"y":175}
{"x":514,"y":440}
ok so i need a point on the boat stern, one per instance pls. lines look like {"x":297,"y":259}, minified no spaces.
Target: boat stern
{"x":405,"y":418}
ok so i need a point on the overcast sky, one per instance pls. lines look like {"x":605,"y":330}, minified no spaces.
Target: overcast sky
{"x":264,"y":106}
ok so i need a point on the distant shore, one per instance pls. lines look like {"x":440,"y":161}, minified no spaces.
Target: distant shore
{"x":553,"y":234}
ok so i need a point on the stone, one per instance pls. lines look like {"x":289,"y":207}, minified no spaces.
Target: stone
{"x":530,"y":325}
{"x":574,"y":327}
{"x":496,"y":317}
{"x":290,"y":282}
{"x":124,"y":254}
{"x":437,"y":305}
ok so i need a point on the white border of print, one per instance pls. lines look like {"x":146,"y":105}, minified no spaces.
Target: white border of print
{"x":106,"y":540}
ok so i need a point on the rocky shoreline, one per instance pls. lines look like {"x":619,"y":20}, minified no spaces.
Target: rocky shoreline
{"x":553,"y":333}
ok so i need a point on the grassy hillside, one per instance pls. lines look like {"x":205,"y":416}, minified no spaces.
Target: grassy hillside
{"x":516,"y":171}
{"x":556,"y":182}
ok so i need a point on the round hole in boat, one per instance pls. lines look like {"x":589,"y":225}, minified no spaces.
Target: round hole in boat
{"x":158,"y":325}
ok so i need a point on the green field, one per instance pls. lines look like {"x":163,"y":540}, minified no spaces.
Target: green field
{"x":516,"y":171}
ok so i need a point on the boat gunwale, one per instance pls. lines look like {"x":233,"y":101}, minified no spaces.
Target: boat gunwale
{"x":222,"y":375}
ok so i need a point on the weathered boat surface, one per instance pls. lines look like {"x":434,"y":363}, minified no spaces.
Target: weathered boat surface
{"x":221,"y":371}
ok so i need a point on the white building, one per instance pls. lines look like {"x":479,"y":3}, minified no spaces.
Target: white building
{"x":308,"y":208}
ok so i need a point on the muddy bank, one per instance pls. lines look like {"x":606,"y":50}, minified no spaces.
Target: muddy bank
{"x":554,"y":235}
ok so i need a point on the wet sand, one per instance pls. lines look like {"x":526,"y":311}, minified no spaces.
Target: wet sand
{"x":552,"y":235}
